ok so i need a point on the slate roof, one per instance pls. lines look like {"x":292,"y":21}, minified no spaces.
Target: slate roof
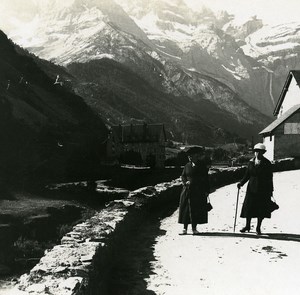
{"x":296,"y":75}
{"x":139,"y":132}
{"x":281,"y":119}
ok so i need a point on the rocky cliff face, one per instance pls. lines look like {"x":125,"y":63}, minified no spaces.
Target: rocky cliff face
{"x":277,"y":49}
{"x":208,"y":43}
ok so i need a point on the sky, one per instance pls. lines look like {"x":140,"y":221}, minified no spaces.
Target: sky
{"x":271,"y":11}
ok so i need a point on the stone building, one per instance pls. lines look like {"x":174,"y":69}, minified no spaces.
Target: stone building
{"x":147,"y":141}
{"x":282,"y":136}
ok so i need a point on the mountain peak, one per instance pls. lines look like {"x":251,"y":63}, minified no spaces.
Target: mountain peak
{"x":173,"y":47}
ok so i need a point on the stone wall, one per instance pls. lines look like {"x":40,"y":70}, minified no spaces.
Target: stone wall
{"x":81,"y":263}
{"x":133,"y":178}
{"x":286,"y":164}
{"x":6,"y":243}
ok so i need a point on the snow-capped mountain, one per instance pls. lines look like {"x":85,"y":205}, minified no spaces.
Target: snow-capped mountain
{"x":275,"y":48}
{"x":82,"y":30}
{"x":180,"y":51}
{"x":269,"y":44}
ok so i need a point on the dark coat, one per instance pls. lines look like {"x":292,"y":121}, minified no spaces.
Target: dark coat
{"x":193,"y":198}
{"x":259,"y":189}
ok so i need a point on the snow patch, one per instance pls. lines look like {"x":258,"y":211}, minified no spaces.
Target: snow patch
{"x":233,"y":73}
{"x":193,"y":70}
{"x":239,"y":70}
{"x":104,"y":55}
{"x":161,"y":46}
{"x":173,"y":13}
{"x":270,"y":39}
{"x":171,"y":55}
{"x":154,"y":55}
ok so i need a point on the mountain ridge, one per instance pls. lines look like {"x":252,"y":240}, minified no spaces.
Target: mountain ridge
{"x":153,"y":105}
{"x":212,"y":52}
{"x":197,"y":40}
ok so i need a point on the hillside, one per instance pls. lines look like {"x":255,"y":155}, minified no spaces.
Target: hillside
{"x":121,"y":95}
{"x":46,"y":131}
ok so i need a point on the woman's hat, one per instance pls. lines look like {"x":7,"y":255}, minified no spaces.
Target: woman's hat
{"x":260,"y":146}
{"x":192,"y":150}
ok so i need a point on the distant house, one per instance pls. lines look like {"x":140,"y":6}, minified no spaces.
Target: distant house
{"x":144,"y":143}
{"x":282,"y":136}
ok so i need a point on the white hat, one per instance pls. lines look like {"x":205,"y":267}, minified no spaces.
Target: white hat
{"x":260,"y":146}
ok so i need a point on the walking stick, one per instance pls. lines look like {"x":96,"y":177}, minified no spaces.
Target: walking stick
{"x":236,"y":208}
{"x":190,"y":211}
{"x":189,"y":204}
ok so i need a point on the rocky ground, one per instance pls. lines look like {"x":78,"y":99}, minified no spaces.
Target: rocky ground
{"x":219,"y":261}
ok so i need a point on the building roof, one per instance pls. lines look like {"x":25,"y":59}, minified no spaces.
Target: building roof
{"x":281,"y":119}
{"x":296,"y":75}
{"x":193,"y":149}
{"x":139,"y":132}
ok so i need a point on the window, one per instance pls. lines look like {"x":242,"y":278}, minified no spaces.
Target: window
{"x":292,"y":128}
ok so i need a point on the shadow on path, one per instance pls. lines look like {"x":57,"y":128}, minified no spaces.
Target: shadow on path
{"x":253,"y":235}
{"x":133,"y":261}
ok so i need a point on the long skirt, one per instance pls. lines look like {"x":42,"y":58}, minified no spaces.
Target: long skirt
{"x":256,"y":205}
{"x":192,"y":206}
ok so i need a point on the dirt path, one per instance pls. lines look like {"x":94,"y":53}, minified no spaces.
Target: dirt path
{"x":220,"y":262}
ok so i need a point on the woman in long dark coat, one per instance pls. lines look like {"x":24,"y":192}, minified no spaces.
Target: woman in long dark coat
{"x":259,"y":189}
{"x":193,"y":198}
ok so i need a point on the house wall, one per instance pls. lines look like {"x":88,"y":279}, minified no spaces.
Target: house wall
{"x":291,"y":98}
{"x":287,"y":145}
{"x":269,"y":143}
{"x":150,"y":149}
{"x":145,"y":149}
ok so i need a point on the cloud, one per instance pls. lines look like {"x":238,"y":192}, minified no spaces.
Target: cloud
{"x":14,"y":11}
{"x":271,"y":11}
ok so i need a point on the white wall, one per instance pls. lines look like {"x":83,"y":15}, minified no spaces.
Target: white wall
{"x":269,"y":143}
{"x":292,"y":97}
